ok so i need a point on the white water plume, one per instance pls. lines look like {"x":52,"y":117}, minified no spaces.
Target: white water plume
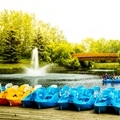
{"x":35,"y":70}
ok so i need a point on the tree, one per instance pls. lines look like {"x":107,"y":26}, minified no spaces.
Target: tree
{"x":41,"y":44}
{"x":11,"y":51}
{"x":87,"y":43}
{"x":24,"y":27}
{"x":78,"y":48}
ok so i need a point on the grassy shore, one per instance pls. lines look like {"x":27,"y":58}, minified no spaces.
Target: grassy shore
{"x":19,"y":67}
{"x":21,"y":64}
{"x":27,"y":62}
{"x":106,"y":66}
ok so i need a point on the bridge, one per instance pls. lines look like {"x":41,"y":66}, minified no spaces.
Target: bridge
{"x":96,"y":56}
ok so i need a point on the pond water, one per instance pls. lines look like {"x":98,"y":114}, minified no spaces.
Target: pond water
{"x":73,"y":80}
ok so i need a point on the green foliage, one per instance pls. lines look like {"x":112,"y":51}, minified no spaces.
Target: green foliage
{"x":23,"y":25}
{"x":61,"y":54}
{"x":52,"y":45}
{"x":11,"y":51}
{"x":106,"y":65}
{"x":101,"y":45}
{"x":85,"y":64}
{"x":40,"y":43}
{"x":72,"y":63}
{"x":78,"y":48}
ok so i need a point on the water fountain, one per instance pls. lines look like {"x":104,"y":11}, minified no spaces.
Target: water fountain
{"x":35,"y":70}
{"x":36,"y":75}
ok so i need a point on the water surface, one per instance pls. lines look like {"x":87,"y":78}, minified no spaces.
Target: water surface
{"x":60,"y":79}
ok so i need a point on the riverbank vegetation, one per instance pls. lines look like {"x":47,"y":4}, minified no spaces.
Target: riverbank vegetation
{"x":20,"y":32}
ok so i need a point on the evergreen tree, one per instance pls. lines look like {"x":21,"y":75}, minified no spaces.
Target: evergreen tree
{"x":11,"y":51}
{"x":41,"y":44}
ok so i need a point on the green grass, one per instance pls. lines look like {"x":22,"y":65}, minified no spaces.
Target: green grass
{"x":27,"y":62}
{"x":21,"y":64}
{"x":7,"y":68}
{"x":106,"y":65}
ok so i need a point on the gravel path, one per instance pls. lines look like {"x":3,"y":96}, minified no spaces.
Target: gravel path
{"x":19,"y":113}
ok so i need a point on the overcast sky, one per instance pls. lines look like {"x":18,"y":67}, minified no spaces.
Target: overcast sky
{"x":78,"y":19}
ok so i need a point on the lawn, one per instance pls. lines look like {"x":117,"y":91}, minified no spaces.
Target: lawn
{"x":106,"y":65}
{"x":21,"y":64}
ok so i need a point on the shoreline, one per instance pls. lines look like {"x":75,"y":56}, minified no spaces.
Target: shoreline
{"x":19,"y":113}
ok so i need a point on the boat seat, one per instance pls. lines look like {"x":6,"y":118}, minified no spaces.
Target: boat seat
{"x":111,"y":89}
{"x":104,"y":95}
{"x":28,"y":88}
{"x":63,"y":90}
{"x":65,"y":95}
{"x":80,"y":93}
{"x":54,"y":86}
{"x":37,"y":86}
{"x":89,"y":92}
{"x":52,"y":90}
{"x":8,"y":85}
{"x":38,"y":94}
{"x":15,"y":86}
{"x":96,"y":88}
{"x":115,"y":94}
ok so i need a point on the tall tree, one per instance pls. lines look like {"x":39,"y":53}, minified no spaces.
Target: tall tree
{"x":11,"y":51}
{"x":24,"y":26}
{"x":41,"y":44}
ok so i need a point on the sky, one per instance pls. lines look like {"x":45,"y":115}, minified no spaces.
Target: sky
{"x":78,"y":19}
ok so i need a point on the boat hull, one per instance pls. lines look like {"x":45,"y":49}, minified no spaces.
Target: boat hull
{"x":15,"y":102}
{"x":29,"y":103}
{"x":111,"y":81}
{"x":4,"y":101}
{"x":46,"y":104}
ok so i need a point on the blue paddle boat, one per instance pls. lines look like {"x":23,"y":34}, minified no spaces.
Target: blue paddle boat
{"x":109,"y":99}
{"x":96,"y":91}
{"x":100,"y":104}
{"x":42,"y":97}
{"x":63,"y":89}
{"x":116,"y":102}
{"x":80,"y":98}
{"x":85,"y":100}
{"x":48,"y":98}
{"x":29,"y":101}
{"x":66,"y":100}
{"x":109,"y":80}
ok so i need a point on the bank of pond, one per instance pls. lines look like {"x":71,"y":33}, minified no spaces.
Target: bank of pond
{"x":78,"y":98}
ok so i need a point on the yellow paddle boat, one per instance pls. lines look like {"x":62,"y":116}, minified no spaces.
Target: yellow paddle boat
{"x":3,"y":94}
{"x":18,"y":94}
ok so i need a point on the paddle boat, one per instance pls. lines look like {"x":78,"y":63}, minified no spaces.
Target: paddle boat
{"x":116,"y":102}
{"x":28,"y":101}
{"x":49,"y":98}
{"x":42,"y":98}
{"x":4,"y":93}
{"x":66,"y":99}
{"x":97,"y":90}
{"x":85,"y":99}
{"x":18,"y":94}
{"x":80,"y":97}
{"x":65,"y":102}
{"x":2,"y":88}
{"x":109,"y":80}
{"x":100,"y":104}
{"x":63,"y":90}
{"x":108,"y":100}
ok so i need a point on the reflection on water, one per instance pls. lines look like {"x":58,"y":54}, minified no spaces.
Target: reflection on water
{"x":116,"y":85}
{"x":73,"y":80}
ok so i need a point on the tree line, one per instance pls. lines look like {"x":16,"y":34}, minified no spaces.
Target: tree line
{"x":20,"y":32}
